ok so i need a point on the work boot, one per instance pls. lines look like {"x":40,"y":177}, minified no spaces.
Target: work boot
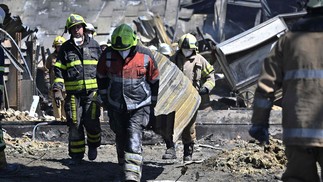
{"x":9,"y":170}
{"x":188,"y":152}
{"x":75,"y":161}
{"x":170,"y":153}
{"x":92,"y":153}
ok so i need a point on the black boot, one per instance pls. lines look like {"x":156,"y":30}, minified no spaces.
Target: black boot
{"x":188,"y":152}
{"x":170,"y":152}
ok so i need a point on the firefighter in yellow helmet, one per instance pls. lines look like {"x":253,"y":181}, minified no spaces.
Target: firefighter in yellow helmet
{"x":75,"y":70}
{"x":6,"y":169}
{"x":128,"y":80}
{"x":59,"y":112}
{"x":201,"y":74}
{"x":295,"y":65}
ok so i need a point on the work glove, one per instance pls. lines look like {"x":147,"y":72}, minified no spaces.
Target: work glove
{"x":260,"y":133}
{"x":152,"y":118}
{"x":203,"y":91}
{"x":58,"y":96}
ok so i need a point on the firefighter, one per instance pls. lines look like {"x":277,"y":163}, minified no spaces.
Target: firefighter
{"x":59,"y":112}
{"x":201,"y":74}
{"x":5,"y":168}
{"x":75,"y":69}
{"x":128,"y":80}
{"x":90,"y":30}
{"x":295,"y":65}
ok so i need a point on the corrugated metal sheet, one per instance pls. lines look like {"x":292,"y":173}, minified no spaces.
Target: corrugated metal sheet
{"x":176,"y":94}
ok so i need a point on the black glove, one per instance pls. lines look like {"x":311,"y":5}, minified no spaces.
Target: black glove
{"x":203,"y":91}
{"x":260,"y":133}
{"x":58,"y":96}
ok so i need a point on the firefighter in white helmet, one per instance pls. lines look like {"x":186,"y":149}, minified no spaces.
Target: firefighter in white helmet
{"x":90,"y":30}
{"x":59,"y":112}
{"x":295,"y":65}
{"x":5,"y":168}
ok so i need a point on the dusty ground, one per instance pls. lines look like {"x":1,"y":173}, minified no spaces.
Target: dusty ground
{"x":221,"y":160}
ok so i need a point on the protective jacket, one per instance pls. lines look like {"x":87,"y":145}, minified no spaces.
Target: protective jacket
{"x":76,"y":66}
{"x":131,"y":83}
{"x":295,"y":64}
{"x":196,"y":68}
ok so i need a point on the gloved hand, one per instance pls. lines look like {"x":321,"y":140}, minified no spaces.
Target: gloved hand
{"x":203,"y":91}
{"x":260,"y":133}
{"x":58,"y":96}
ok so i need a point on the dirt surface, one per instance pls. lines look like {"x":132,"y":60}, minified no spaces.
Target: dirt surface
{"x":220,"y":160}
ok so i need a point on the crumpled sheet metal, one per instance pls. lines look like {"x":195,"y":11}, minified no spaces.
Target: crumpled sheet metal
{"x":176,"y":94}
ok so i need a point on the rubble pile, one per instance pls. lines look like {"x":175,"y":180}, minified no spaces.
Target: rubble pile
{"x":12,"y":115}
{"x":250,"y":158}
{"x":25,"y":145}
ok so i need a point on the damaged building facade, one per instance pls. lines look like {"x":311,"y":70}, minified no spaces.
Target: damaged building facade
{"x":220,"y":27}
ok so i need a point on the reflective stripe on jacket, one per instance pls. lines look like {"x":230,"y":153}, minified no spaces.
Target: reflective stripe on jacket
{"x":295,"y":64}
{"x":130,"y":83}
{"x":76,"y":66}
{"x":196,"y":68}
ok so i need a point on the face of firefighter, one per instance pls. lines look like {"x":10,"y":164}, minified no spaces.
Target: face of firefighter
{"x":124,"y":53}
{"x":77,"y":32}
{"x":187,"y":52}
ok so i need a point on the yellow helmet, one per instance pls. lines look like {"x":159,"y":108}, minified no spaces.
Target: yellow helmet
{"x":188,"y":41}
{"x":74,"y":19}
{"x":123,"y":38}
{"x":58,"y":41}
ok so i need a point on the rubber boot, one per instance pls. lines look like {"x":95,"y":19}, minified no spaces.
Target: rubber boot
{"x":92,"y":153}
{"x":188,"y":152}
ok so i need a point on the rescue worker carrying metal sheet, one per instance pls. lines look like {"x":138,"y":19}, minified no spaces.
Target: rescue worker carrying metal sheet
{"x":58,"y":110}
{"x":201,"y":74}
{"x":128,"y":80}
{"x":75,"y":69}
{"x":295,"y":65}
{"x":5,"y":168}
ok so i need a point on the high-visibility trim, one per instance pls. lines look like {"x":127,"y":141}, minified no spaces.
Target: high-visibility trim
{"x":93,"y":140}
{"x":134,"y":158}
{"x":78,"y":150}
{"x":60,"y":65}
{"x":303,"y":73}
{"x":73,"y":108}
{"x":93,"y":111}
{"x":79,"y":85}
{"x":93,"y":136}
{"x":2,"y":68}
{"x":211,"y":83}
{"x":262,"y":103}
{"x":59,"y":80}
{"x":77,"y":143}
{"x":303,"y":133}
{"x":207,"y":71}
{"x":79,"y":62}
{"x":132,"y":168}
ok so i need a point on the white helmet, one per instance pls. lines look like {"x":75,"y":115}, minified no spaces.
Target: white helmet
{"x":314,"y":3}
{"x":165,"y":49}
{"x":90,"y":27}
{"x":152,"y":47}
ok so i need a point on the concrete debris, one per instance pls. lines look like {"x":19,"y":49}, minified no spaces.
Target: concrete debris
{"x":250,"y":158}
{"x":25,"y":145}
{"x":12,"y":115}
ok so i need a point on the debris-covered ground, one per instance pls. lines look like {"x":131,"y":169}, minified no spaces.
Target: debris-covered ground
{"x":221,"y":160}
